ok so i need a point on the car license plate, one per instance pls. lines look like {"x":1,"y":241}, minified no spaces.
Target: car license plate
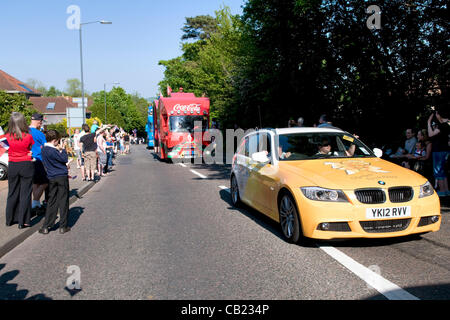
{"x":388,"y":213}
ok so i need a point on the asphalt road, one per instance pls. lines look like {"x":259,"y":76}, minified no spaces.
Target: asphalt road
{"x":154,"y":230}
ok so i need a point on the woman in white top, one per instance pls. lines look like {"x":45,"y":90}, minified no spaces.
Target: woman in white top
{"x":101,"y":151}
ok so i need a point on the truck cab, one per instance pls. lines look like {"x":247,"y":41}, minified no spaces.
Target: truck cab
{"x":182,"y":119}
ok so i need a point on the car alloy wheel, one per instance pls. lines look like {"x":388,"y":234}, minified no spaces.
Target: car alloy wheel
{"x":3,"y":172}
{"x":289,"y":220}
{"x":234,"y":191}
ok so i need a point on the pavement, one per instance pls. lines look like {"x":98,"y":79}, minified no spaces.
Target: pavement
{"x":12,"y":236}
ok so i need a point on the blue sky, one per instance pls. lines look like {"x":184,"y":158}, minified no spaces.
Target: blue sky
{"x":37,"y":44}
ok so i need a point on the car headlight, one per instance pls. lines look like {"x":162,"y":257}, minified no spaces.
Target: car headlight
{"x":321,"y":194}
{"x":426,"y":190}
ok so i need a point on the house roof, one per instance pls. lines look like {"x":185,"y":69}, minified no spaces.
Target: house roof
{"x":52,"y":105}
{"x":13,"y":85}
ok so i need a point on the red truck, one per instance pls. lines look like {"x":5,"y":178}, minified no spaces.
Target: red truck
{"x":180,"y":123}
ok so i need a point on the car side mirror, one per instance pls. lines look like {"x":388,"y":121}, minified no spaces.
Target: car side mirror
{"x":260,"y":157}
{"x":378,"y":152}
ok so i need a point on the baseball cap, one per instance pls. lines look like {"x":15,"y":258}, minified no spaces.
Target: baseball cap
{"x":37,"y":116}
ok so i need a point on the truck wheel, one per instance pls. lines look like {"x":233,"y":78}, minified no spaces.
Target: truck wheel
{"x":3,"y":172}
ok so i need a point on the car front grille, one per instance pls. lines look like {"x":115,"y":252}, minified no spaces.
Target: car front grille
{"x":400,"y":194}
{"x":379,"y":226}
{"x":370,"y":196}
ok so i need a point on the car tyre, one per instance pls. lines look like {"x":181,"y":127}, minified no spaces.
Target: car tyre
{"x":3,"y":172}
{"x":289,"y":218}
{"x":234,"y":191}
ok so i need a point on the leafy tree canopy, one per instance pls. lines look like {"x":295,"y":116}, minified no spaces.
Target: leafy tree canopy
{"x":13,"y":103}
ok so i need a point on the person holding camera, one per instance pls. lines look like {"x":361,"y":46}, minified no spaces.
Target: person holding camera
{"x":55,"y":160}
{"x":440,"y":149}
{"x":88,"y":145}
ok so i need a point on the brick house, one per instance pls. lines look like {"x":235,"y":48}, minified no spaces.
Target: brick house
{"x":54,"y":108}
{"x":9,"y":84}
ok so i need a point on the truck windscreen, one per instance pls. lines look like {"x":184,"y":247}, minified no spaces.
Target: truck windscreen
{"x":183,"y":123}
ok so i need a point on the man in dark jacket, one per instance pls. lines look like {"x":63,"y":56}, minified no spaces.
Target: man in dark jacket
{"x":55,"y":159}
{"x":88,"y":144}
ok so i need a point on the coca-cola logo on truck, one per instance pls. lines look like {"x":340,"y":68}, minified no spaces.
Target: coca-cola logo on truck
{"x":193,"y":107}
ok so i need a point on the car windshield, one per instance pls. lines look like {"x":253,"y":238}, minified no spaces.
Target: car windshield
{"x":183,"y":123}
{"x":313,"y":145}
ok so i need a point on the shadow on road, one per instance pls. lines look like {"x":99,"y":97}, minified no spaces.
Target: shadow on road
{"x":252,"y":214}
{"x":216,"y":171}
{"x":74,"y":192}
{"x":366,"y":243}
{"x":431,"y":292}
{"x":9,"y":291}
{"x":74,"y":215}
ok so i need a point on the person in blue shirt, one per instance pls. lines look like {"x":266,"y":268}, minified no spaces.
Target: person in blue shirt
{"x":94,"y":126}
{"x":55,"y":160}
{"x":323,"y":122}
{"x":40,"y":180}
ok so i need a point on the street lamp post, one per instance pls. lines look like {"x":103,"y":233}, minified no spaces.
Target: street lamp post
{"x":81,"y":64}
{"x":104,"y":91}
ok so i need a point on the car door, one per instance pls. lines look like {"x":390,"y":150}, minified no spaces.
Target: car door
{"x":240,"y":168}
{"x":266,"y":177}
{"x":251,"y":186}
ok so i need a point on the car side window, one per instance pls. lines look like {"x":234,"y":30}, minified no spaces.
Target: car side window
{"x":264,"y":142}
{"x":246,"y":147}
{"x":240,"y":150}
{"x":253,"y":144}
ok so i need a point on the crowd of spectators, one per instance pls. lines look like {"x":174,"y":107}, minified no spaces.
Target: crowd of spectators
{"x":425,"y":150}
{"x":96,"y":147}
{"x":39,"y":161}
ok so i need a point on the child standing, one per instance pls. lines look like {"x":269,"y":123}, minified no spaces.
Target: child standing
{"x":55,"y":159}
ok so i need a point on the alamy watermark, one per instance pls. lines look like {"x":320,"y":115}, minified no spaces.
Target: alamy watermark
{"x":374,"y":20}
{"x":213,"y":152}
{"x":74,"y":20}
{"x":73,"y":282}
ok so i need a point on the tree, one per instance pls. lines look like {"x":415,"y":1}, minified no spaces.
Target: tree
{"x":61,"y":127}
{"x":98,"y":111}
{"x":73,"y":87}
{"x":141,"y":104}
{"x":199,"y":27}
{"x":14,"y":103}
{"x":122,"y":109}
{"x":310,"y":57}
{"x":207,"y":66}
{"x":37,"y":85}
{"x":291,"y":58}
{"x":53,"y":92}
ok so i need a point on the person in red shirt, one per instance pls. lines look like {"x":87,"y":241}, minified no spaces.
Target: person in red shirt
{"x":20,"y":171}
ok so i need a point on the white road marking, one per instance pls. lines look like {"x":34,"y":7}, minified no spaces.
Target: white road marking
{"x":224,"y":188}
{"x":383,"y":286}
{"x":198,"y":174}
{"x":183,"y":165}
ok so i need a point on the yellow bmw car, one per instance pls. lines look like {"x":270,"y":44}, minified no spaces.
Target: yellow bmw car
{"x":324,"y":183}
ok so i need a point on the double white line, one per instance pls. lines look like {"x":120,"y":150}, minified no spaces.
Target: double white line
{"x":388,"y":289}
